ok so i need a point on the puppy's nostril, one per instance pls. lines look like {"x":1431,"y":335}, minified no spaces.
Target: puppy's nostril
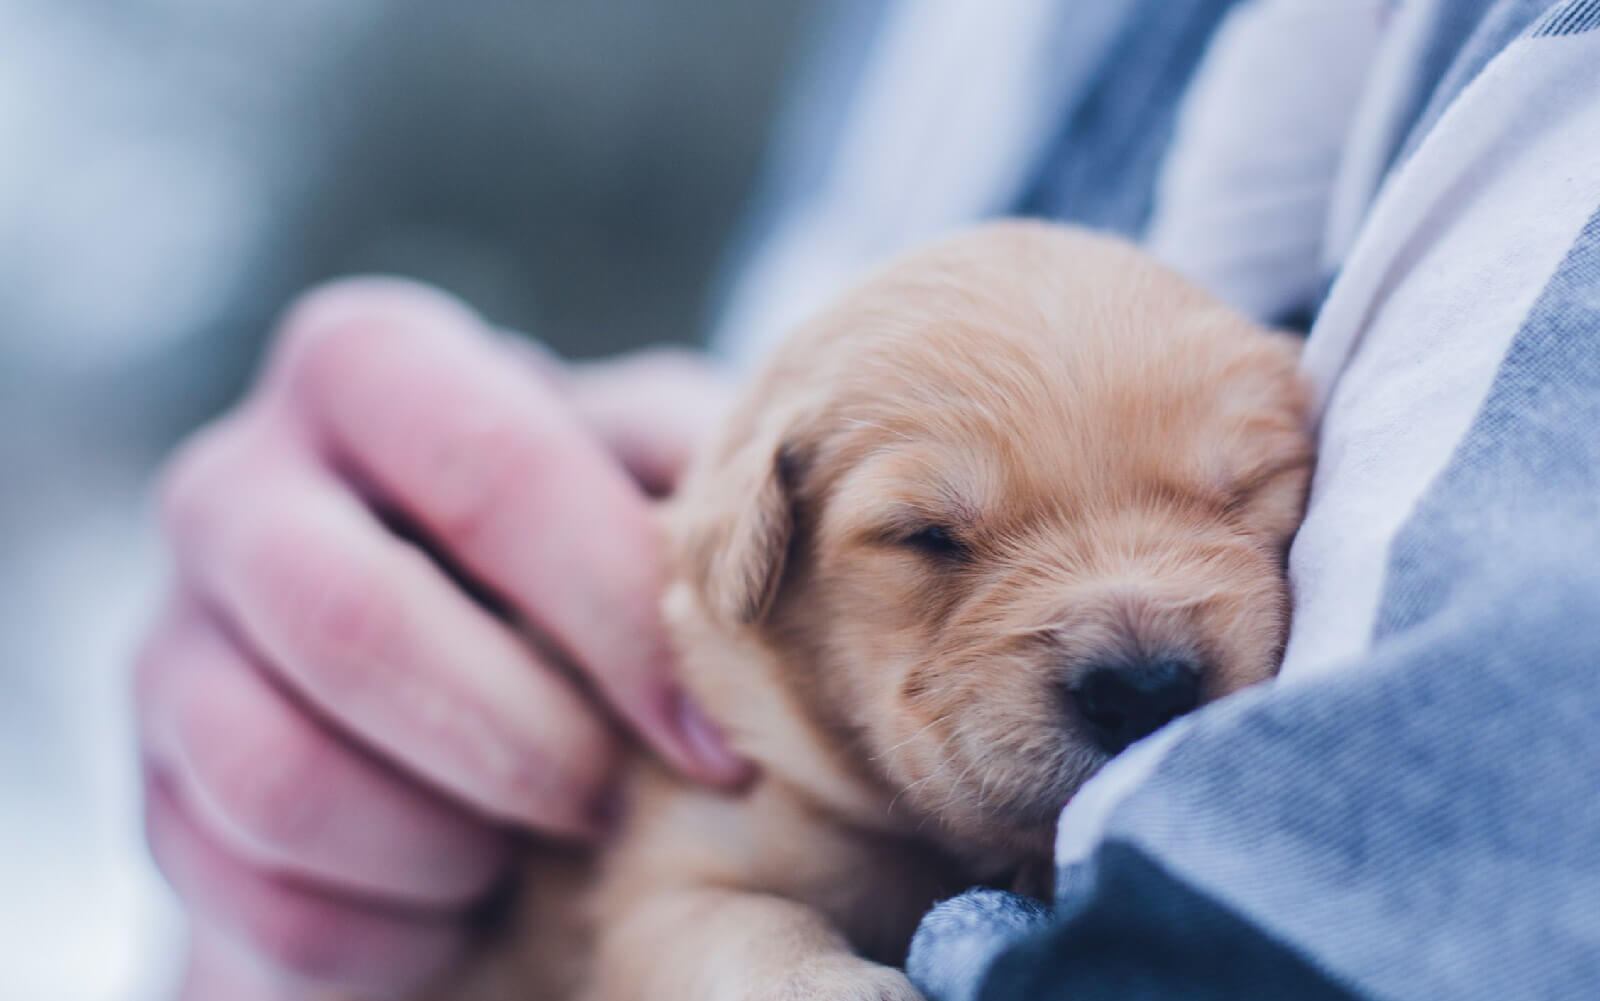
{"x":1123,"y":701}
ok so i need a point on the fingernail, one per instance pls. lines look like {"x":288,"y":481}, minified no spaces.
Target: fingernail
{"x":706,"y":741}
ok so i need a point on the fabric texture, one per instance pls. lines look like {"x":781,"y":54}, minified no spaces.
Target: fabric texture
{"x":1100,"y":168}
{"x":1115,"y":942}
{"x":1421,"y":826}
{"x":968,"y":933}
{"x":1411,"y":810}
{"x":1244,"y":208}
{"x":964,"y":111}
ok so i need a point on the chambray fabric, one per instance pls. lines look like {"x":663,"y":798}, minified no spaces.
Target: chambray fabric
{"x":956,"y":112}
{"x":966,"y":934}
{"x":1100,"y":169}
{"x":1422,"y":819}
{"x":1478,"y":31}
{"x":1423,"y":826}
{"x":1527,"y":475}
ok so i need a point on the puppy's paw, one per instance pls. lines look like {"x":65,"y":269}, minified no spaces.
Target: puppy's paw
{"x":842,"y":978}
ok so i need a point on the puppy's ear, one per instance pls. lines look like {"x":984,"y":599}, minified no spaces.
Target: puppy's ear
{"x":737,"y":543}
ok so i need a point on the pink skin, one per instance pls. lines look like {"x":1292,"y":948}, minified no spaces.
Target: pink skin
{"x":339,"y":742}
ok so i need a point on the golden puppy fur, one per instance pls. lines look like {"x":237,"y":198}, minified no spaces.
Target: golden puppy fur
{"x":1007,"y":461}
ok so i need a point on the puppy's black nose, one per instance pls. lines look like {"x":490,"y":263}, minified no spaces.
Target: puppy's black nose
{"x":1123,"y":701}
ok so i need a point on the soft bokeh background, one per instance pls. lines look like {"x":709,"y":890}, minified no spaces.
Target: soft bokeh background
{"x":171,"y":171}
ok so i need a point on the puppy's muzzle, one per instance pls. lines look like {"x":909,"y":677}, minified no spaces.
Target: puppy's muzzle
{"x":1121,"y":700}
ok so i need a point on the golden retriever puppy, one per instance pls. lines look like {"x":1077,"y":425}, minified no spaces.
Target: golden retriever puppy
{"x":1013,"y":503}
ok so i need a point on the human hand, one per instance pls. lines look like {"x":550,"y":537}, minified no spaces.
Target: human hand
{"x":337,"y":739}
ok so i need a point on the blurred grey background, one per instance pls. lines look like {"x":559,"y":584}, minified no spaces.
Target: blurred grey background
{"x":171,"y":172}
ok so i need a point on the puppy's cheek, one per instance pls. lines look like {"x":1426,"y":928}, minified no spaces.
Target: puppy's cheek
{"x":1246,"y":633}
{"x":918,"y":731}
{"x":988,"y":737}
{"x":895,"y":593}
{"x":1275,"y":512}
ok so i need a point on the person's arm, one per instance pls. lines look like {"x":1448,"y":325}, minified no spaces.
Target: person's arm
{"x":339,"y":739}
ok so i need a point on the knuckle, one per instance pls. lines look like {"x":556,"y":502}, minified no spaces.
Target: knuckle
{"x":351,"y":621}
{"x":333,"y":326}
{"x":477,"y":469}
{"x":256,"y":762}
{"x":335,"y":609}
{"x":305,"y":938}
{"x":275,"y":793}
{"x":195,"y":478}
{"x":324,"y":334}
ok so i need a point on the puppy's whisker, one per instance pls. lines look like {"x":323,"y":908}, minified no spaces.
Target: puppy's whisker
{"x":920,"y":731}
{"x":919,"y":782}
{"x":956,"y":787}
{"x":938,"y":770}
{"x":874,"y":425}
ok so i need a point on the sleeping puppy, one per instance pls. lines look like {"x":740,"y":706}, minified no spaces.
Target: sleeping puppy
{"x":1010,"y":505}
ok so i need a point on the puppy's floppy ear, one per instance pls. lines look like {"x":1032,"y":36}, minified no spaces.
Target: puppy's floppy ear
{"x":737,"y":541}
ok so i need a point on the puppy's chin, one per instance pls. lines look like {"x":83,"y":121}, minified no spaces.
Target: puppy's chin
{"x":1007,"y":828}
{"x":997,"y":805}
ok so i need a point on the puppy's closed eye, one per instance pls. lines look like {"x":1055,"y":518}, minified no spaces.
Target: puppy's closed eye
{"x":938,"y":542}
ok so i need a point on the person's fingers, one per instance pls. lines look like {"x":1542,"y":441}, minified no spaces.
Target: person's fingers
{"x":218,"y":967}
{"x":652,"y":409}
{"x":281,"y":791}
{"x":370,"y":631}
{"x":309,"y":936}
{"x":404,"y":385}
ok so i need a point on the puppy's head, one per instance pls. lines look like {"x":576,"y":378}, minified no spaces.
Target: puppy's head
{"x":1009,"y":506}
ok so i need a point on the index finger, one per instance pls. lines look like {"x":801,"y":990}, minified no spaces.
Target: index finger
{"x":406,"y":385}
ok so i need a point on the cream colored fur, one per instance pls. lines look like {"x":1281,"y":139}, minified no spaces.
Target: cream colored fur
{"x":998,"y":459}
